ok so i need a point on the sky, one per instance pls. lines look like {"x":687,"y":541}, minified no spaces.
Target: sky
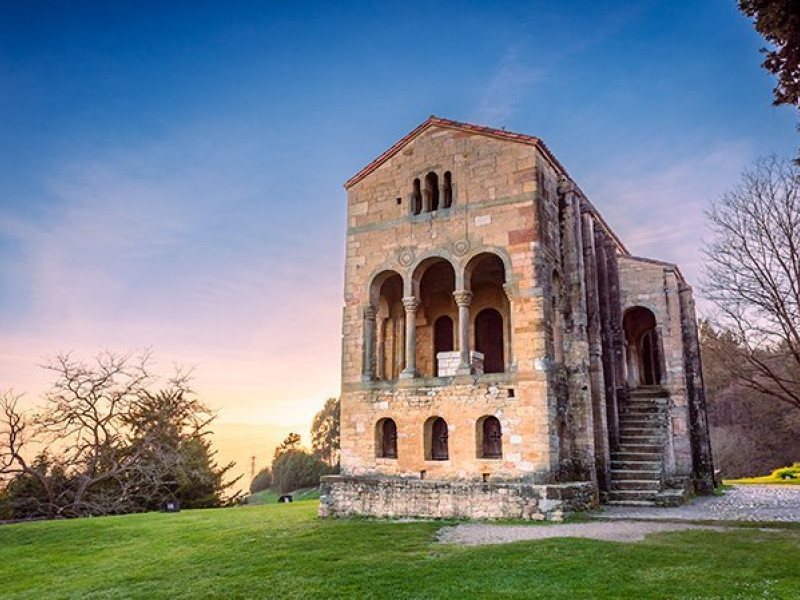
{"x":171,"y":173}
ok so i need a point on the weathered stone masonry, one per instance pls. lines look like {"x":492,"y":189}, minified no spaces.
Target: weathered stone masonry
{"x":503,"y":354}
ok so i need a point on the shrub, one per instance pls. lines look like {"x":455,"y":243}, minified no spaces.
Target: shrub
{"x":295,"y":469}
{"x":262,"y":481}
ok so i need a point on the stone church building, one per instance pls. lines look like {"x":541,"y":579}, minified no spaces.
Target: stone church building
{"x":503,"y":354}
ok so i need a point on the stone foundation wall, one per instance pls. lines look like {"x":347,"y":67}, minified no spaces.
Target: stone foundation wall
{"x":342,"y":496}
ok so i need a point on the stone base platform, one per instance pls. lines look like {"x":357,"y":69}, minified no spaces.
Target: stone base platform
{"x":345,"y":496}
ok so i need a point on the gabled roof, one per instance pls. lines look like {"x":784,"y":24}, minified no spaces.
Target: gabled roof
{"x":502,"y":134}
{"x":434,"y":121}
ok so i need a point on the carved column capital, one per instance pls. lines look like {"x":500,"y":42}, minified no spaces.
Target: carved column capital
{"x":370,"y":312}
{"x":463,"y":297}
{"x":411,"y":304}
{"x":509,"y":290}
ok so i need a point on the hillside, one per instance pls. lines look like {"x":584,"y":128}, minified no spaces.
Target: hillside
{"x":284,"y":551}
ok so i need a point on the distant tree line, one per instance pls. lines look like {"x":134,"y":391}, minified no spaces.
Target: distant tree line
{"x":294,"y":468}
{"x":108,"y":440}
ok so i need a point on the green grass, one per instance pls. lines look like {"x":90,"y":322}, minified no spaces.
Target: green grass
{"x":782,"y":476}
{"x":270,"y":497}
{"x":284,"y":551}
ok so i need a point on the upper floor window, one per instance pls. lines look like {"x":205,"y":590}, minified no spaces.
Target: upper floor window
{"x":416,"y":198}
{"x":431,"y":194}
{"x":447,"y":190}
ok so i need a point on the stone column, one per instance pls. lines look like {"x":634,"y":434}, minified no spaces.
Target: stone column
{"x":512,"y":363}
{"x":463,"y":300}
{"x":368,"y":372}
{"x":380,"y":363}
{"x":411,"y":304}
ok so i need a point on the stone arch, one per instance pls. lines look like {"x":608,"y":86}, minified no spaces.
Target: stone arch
{"x":475,"y":258}
{"x":490,"y":309}
{"x":436,"y":435}
{"x":386,"y":438}
{"x":489,"y":437}
{"x":434,"y":284}
{"x":643,"y":351}
{"x":384,"y":333}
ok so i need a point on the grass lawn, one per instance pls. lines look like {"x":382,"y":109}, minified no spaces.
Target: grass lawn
{"x":783,"y":476}
{"x":283,"y":551}
{"x":270,"y":497}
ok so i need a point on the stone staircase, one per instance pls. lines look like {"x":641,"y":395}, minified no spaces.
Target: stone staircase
{"x":637,"y":462}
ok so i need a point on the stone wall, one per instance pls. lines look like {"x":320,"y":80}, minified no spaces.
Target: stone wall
{"x":394,"y":497}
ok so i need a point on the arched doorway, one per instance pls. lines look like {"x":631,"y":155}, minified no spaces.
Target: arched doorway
{"x":442,"y":338}
{"x":642,"y":347}
{"x":489,"y":340}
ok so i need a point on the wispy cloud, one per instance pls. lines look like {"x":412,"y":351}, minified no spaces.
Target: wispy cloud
{"x":656,"y":204}
{"x":506,"y":89}
{"x":139,"y":250}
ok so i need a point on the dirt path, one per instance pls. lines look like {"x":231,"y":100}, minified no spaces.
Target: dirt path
{"x":750,"y":503}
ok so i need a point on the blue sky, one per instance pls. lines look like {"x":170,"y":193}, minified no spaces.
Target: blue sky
{"x":171,"y":173}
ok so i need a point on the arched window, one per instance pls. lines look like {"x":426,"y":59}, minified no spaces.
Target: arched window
{"x":490,"y":437}
{"x":447,"y":189}
{"x":416,"y":198}
{"x":431,"y":192}
{"x":489,"y":340}
{"x":442,"y":337}
{"x":386,"y":438}
{"x":436,"y":434}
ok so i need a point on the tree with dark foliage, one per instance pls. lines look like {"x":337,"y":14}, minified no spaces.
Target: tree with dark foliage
{"x":779,"y":22}
{"x":325,"y":432}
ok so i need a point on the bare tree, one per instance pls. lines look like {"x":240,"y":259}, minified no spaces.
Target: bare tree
{"x":752,"y":274}
{"x":114,"y":445}
{"x":16,"y":430}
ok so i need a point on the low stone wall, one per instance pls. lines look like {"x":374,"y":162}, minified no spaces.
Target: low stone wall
{"x":342,"y":496}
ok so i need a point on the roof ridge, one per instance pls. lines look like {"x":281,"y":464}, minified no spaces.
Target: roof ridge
{"x":451,"y":124}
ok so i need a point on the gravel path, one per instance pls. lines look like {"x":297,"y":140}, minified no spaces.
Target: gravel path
{"x":475,"y":534}
{"x":632,"y":524}
{"x":742,"y":503}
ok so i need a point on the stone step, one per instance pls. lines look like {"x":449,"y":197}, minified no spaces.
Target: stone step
{"x":646,"y":448}
{"x":631,"y":503}
{"x":654,"y":391}
{"x":631,"y":430}
{"x":637,"y":408}
{"x":632,"y":496}
{"x":634,"y":419}
{"x":649,"y":485}
{"x":635,"y":465}
{"x":635,"y":455}
{"x":638,"y":475}
{"x":626,"y":440}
